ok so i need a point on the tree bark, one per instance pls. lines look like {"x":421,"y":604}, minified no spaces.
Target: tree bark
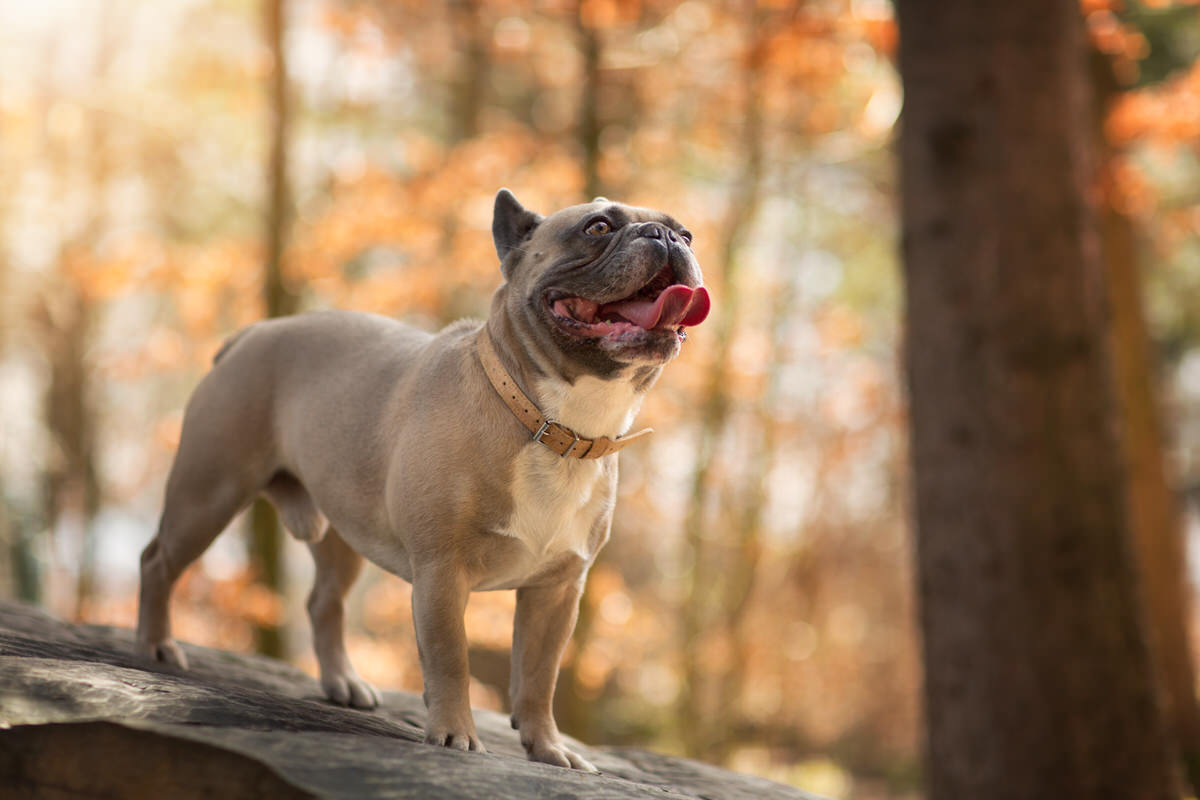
{"x":1038,"y":680}
{"x":266,"y":538}
{"x":1155,"y":517}
{"x":1154,"y":513}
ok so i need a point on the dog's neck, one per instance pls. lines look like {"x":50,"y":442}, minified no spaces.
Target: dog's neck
{"x":592,"y":406}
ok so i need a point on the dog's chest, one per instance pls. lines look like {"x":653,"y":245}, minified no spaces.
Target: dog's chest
{"x":555,"y":504}
{"x":558,"y":502}
{"x":590,"y":406}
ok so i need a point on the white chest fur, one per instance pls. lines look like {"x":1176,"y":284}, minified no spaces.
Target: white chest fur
{"x":591,"y":407}
{"x":556,"y":502}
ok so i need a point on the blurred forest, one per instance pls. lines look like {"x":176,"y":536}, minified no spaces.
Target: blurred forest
{"x":179,"y":168}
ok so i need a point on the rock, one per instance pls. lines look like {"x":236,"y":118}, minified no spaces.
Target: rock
{"x":81,"y":715}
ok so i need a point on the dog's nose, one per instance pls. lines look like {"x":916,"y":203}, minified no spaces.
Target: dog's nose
{"x":656,"y":230}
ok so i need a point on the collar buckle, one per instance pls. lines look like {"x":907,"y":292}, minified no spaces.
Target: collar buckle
{"x":540,"y":433}
{"x":525,"y":410}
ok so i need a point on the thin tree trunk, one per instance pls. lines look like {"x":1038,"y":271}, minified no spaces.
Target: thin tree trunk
{"x":9,"y":537}
{"x":27,"y":539}
{"x":100,"y":166}
{"x":266,"y":539}
{"x":709,"y":597}
{"x":474,"y":67}
{"x":590,"y":124}
{"x":14,"y":558}
{"x":72,"y":485}
{"x":1037,"y":676}
{"x":1155,"y":516}
{"x":279,"y":299}
{"x":72,"y":490}
{"x":746,"y":550}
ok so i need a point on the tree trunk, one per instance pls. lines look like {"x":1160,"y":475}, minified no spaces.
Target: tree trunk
{"x":470,"y":83}
{"x":719,"y":582}
{"x":1038,"y":680}
{"x":590,"y":125}
{"x":278,"y":298}
{"x":10,"y":551}
{"x":72,"y":487}
{"x":1155,"y":515}
{"x":266,"y":539}
{"x":72,"y":492}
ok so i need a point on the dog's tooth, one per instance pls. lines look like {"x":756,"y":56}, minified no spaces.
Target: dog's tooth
{"x":585,"y":310}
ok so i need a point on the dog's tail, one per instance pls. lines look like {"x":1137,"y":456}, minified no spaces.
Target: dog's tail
{"x":229,"y":343}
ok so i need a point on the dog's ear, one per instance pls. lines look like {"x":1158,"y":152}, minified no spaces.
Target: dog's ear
{"x":511,"y":223}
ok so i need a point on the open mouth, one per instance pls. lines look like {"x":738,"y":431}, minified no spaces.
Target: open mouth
{"x":659,"y":306}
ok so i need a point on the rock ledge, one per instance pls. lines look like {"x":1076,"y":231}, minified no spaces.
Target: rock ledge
{"x":82,"y":716}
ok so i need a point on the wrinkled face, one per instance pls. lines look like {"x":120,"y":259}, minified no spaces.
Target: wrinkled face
{"x":608,"y":282}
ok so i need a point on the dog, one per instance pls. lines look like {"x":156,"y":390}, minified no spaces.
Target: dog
{"x":482,"y":457}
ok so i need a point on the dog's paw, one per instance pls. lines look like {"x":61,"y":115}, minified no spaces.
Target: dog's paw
{"x":453,"y":729}
{"x":543,"y":743}
{"x":350,"y":690}
{"x":166,"y":652}
{"x":455,"y":740}
{"x":558,"y":754}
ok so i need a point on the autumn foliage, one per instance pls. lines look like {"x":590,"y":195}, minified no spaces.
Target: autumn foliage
{"x":754,"y":605}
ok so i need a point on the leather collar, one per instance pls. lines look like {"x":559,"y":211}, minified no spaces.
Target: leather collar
{"x":559,"y":438}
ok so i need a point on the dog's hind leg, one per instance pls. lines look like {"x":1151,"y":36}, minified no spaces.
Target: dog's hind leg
{"x":338,"y":566}
{"x":199,"y":504}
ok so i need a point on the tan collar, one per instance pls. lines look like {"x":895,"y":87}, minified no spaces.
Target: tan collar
{"x":559,"y":438}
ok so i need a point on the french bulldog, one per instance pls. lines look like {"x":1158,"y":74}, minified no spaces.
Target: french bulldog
{"x":482,"y":457}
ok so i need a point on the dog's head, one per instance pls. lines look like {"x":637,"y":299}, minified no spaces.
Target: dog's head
{"x":608,"y":285}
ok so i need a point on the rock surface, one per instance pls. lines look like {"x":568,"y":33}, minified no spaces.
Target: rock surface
{"x":82,"y":716}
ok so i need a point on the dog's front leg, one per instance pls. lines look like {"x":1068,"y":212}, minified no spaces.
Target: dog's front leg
{"x":544,"y":620}
{"x":439,"y":602}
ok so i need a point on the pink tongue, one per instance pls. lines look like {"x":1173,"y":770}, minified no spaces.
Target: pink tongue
{"x":677,"y":306}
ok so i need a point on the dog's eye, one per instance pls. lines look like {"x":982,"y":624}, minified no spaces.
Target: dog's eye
{"x":686,"y":235}
{"x":597,"y":227}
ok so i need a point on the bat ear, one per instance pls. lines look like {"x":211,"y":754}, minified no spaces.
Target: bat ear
{"x":512,"y":224}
